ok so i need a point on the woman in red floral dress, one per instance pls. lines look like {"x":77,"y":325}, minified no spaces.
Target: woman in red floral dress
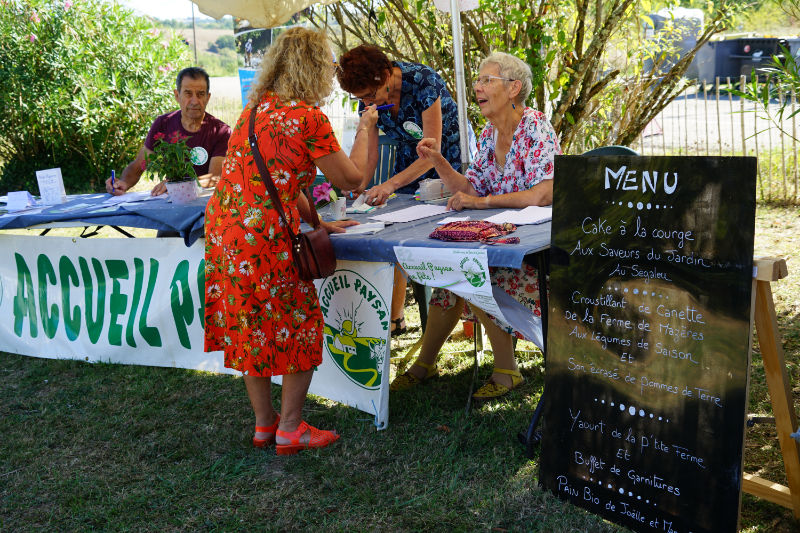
{"x":258,"y":311}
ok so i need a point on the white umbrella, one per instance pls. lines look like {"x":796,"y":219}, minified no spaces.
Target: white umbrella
{"x":271,"y":13}
{"x":260,"y":13}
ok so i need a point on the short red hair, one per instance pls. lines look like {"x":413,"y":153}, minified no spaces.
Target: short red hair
{"x":363,"y":68}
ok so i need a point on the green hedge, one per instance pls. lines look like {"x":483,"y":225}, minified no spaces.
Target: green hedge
{"x":80,"y":83}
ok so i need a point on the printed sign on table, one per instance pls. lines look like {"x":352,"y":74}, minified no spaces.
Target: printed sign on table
{"x":51,"y":186}
{"x":463,"y":271}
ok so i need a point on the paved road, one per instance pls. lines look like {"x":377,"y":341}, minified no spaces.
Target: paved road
{"x":695,"y":124}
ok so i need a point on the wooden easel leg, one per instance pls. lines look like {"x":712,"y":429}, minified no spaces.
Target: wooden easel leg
{"x":782,"y":405}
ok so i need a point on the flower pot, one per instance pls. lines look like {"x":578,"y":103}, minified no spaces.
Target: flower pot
{"x":339,"y":208}
{"x":182,"y":192}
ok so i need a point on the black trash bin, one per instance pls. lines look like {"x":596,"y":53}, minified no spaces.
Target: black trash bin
{"x":754,"y":54}
{"x":714,"y":60}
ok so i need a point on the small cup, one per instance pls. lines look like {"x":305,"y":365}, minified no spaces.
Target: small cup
{"x":339,"y":208}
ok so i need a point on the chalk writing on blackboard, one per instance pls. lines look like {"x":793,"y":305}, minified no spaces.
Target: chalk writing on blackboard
{"x":648,"y":341}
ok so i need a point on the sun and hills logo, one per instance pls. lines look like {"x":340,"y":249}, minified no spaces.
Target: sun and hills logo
{"x":356,"y":327}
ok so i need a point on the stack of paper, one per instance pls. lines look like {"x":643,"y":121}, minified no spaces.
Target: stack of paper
{"x":127,"y":198}
{"x":409,"y":214}
{"x":533,"y":214}
{"x":368,"y":228}
{"x":20,"y":201}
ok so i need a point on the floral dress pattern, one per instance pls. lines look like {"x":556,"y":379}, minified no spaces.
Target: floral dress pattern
{"x":528,"y":162}
{"x":258,"y":311}
{"x":421,"y":87}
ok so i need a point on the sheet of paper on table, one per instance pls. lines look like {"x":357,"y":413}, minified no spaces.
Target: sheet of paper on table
{"x":415,"y":212}
{"x":19,"y":201}
{"x":127,"y":198}
{"x":68,"y":208}
{"x":367,"y":228}
{"x":29,"y":211}
{"x":447,"y":220}
{"x":533,"y":214}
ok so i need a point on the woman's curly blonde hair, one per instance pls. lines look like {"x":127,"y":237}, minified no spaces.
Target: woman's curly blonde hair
{"x":297,"y":66}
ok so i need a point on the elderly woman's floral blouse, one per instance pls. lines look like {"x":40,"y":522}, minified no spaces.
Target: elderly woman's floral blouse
{"x":528,"y":162}
{"x":258,"y":311}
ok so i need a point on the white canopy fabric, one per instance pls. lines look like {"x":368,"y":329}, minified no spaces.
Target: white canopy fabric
{"x":260,"y":13}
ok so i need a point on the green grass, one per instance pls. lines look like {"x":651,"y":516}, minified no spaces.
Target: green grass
{"x":132,"y":448}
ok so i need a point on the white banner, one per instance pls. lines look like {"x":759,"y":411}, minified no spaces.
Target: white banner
{"x":356,"y":306}
{"x":141,"y":302}
{"x":462,"y":271}
{"x":465,"y":272}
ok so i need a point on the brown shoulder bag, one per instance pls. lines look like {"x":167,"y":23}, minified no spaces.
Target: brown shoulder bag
{"x":312,"y":251}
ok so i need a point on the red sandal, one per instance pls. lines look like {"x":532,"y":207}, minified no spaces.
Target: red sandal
{"x":262,"y":443}
{"x":318,"y":438}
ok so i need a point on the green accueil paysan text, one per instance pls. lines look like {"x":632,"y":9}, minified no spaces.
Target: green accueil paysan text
{"x":103,"y":299}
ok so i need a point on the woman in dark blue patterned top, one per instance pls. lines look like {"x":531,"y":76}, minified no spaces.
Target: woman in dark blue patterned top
{"x":421,"y":106}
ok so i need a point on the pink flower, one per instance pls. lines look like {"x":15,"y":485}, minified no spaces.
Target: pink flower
{"x":321,"y":192}
{"x":32,"y":37}
{"x":67,"y":5}
{"x":165,"y":68}
{"x":35,"y":17}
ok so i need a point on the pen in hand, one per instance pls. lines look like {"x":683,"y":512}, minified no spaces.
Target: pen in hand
{"x":379,"y":108}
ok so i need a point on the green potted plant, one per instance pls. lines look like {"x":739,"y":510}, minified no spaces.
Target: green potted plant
{"x":171,"y":160}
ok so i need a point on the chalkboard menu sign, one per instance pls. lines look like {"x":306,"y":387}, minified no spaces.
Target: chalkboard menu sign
{"x":649,"y":338}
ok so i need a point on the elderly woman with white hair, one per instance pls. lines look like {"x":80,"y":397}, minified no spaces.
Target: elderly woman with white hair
{"x":513,"y":169}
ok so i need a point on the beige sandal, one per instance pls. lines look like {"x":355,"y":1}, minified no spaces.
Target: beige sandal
{"x":495,"y":390}
{"x":407,"y":380}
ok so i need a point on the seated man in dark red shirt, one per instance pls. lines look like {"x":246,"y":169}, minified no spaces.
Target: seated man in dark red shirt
{"x":208,"y":136}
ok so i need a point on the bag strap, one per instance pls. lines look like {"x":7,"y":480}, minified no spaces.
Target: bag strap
{"x":270,"y":185}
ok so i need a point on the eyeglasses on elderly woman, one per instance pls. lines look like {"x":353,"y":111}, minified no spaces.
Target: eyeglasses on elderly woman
{"x":482,"y":81}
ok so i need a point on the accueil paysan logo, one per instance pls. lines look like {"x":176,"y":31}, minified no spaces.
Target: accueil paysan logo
{"x":356,"y":327}
{"x":198,"y":155}
{"x":473,"y":271}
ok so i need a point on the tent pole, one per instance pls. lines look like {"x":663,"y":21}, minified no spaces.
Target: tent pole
{"x":461,"y":97}
{"x":194,"y":35}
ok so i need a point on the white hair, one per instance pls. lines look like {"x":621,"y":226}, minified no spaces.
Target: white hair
{"x":513,"y":68}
